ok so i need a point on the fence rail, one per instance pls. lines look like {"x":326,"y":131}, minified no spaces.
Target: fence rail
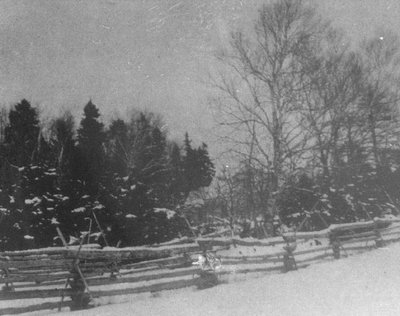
{"x":41,"y":274}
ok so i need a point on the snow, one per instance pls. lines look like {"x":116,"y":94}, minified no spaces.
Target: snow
{"x":35,"y":201}
{"x":367,"y":284}
{"x":168,"y":212}
{"x":98,"y":207}
{"x":252,"y":266}
{"x":48,"y":199}
{"x":78,"y":210}
{"x":55,"y":221}
{"x":96,"y":235}
{"x":73,"y":240}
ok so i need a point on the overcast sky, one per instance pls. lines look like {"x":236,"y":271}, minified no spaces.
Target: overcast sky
{"x":143,"y":54}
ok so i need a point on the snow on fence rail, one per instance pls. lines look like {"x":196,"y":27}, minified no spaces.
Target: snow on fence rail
{"x":36,"y":279}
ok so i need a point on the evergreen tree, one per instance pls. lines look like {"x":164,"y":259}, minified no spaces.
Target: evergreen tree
{"x":70,"y":191}
{"x":91,"y":138}
{"x":118,"y":147}
{"x":147,"y":156}
{"x":22,"y":134}
{"x":298,"y":200}
{"x":21,"y":147}
{"x":189,"y":166}
{"x":64,"y":183}
{"x":198,"y":168}
{"x":205,"y":166}
{"x":176,"y":187}
{"x":157,"y":176}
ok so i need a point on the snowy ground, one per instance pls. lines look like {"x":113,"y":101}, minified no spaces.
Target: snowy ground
{"x":364,"y":284}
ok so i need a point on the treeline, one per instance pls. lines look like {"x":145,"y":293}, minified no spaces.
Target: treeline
{"x":118,"y":181}
{"x":312,"y":118}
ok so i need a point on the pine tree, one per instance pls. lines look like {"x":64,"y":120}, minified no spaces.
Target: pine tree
{"x":20,"y":148}
{"x":147,"y":156}
{"x":22,"y":134}
{"x":189,"y":166}
{"x":176,"y":187}
{"x":157,"y":177}
{"x":206,"y":167}
{"x":198,"y":167}
{"x":117,"y":147}
{"x":91,"y":138}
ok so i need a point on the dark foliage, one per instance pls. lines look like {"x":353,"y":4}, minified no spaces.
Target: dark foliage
{"x":118,"y":184}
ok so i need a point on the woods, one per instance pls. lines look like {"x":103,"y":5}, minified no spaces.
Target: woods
{"x":307,"y":119}
{"x":123,"y":176}
{"x":314,"y":112}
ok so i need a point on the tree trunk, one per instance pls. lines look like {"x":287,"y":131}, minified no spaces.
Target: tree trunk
{"x":372,"y":125}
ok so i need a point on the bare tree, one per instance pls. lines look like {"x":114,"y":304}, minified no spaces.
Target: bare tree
{"x":258,"y":89}
{"x":62,"y":138}
{"x":243,"y":193}
{"x":140,"y":146}
{"x":331,"y":87}
{"x":381,"y":60}
{"x":227,"y":194}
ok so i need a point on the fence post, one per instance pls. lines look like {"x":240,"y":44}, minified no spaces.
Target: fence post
{"x":379,"y":242}
{"x":289,"y":262}
{"x":4,"y":264}
{"x":79,"y":297}
{"x":207,"y":274}
{"x":335,"y":243}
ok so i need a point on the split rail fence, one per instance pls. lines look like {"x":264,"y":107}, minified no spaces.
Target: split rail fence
{"x":55,"y":278}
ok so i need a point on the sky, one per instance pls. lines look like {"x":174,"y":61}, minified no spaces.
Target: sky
{"x":152,"y":55}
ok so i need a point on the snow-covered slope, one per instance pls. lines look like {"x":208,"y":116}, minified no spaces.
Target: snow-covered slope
{"x":365,"y":284}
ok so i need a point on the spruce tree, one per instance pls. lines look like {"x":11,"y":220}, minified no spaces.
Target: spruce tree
{"x":198,"y":167}
{"x":91,"y":138}
{"x":176,"y":177}
{"x":28,"y":189}
{"x":205,"y":166}
{"x":117,"y":147}
{"x":22,"y":134}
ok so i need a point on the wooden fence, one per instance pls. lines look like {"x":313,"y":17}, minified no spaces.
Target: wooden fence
{"x":54,"y":278}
